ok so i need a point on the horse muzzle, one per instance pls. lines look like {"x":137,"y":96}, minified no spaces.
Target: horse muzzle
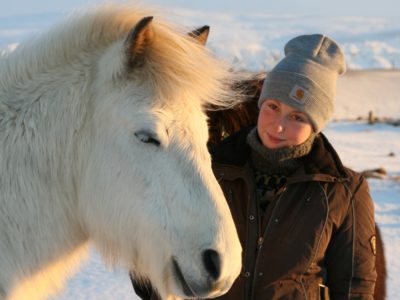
{"x":209,"y":285}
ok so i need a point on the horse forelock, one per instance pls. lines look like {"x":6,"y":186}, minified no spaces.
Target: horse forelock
{"x":180,"y":68}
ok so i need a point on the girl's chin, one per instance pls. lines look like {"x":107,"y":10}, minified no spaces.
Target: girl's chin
{"x":274,"y":145}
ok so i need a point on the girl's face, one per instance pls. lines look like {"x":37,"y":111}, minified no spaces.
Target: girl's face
{"x":279,"y":125}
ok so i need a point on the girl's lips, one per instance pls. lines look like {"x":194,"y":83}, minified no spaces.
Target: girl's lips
{"x":274,"y":139}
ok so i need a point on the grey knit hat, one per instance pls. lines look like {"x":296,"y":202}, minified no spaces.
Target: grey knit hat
{"x":306,"y":77}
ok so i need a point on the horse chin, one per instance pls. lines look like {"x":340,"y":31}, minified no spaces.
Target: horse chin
{"x":194,"y":290}
{"x":180,"y":278}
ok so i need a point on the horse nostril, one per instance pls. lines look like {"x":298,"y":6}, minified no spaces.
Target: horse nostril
{"x":212,"y":262}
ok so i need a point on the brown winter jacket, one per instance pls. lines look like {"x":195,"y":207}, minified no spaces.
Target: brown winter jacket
{"x":316,"y":240}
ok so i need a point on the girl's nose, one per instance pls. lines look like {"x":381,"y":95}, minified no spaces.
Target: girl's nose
{"x":280,"y":128}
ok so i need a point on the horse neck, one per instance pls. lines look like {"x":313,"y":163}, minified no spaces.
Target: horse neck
{"x":37,"y":154}
{"x":39,"y":119}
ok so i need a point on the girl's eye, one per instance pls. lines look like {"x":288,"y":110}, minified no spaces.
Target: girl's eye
{"x":273,"y":106}
{"x":298,"y":118}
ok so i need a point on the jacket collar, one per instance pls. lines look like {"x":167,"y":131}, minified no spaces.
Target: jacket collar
{"x":321,"y":164}
{"x":233,"y":150}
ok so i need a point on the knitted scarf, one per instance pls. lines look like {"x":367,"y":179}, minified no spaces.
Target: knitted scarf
{"x":272,"y":166}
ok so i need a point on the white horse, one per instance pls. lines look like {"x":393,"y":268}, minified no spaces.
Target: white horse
{"x":103,"y":139}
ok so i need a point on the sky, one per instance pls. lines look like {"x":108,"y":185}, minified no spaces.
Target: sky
{"x":381,"y":8}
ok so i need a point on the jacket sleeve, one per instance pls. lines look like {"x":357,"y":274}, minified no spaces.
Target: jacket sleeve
{"x":350,"y":258}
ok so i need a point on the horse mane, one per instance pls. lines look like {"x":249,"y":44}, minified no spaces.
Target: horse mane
{"x":226,"y":121}
{"x":176,"y":60}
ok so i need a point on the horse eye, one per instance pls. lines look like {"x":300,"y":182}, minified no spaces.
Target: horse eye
{"x":147,"y":138}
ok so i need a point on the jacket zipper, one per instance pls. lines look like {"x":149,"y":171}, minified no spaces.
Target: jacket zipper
{"x":261,"y":240}
{"x":318,"y":244}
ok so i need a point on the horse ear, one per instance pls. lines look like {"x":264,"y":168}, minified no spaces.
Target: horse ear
{"x":200,"y":34}
{"x":137,"y":42}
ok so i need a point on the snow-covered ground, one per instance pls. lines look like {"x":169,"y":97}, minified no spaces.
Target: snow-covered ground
{"x":253,"y":39}
{"x":361,"y":147}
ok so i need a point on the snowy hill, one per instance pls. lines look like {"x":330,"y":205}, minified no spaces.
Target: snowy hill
{"x":362,"y":91}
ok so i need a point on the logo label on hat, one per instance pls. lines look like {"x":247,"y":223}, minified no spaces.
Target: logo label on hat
{"x":298,"y":94}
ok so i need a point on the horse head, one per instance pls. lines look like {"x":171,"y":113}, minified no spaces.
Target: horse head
{"x":148,"y":198}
